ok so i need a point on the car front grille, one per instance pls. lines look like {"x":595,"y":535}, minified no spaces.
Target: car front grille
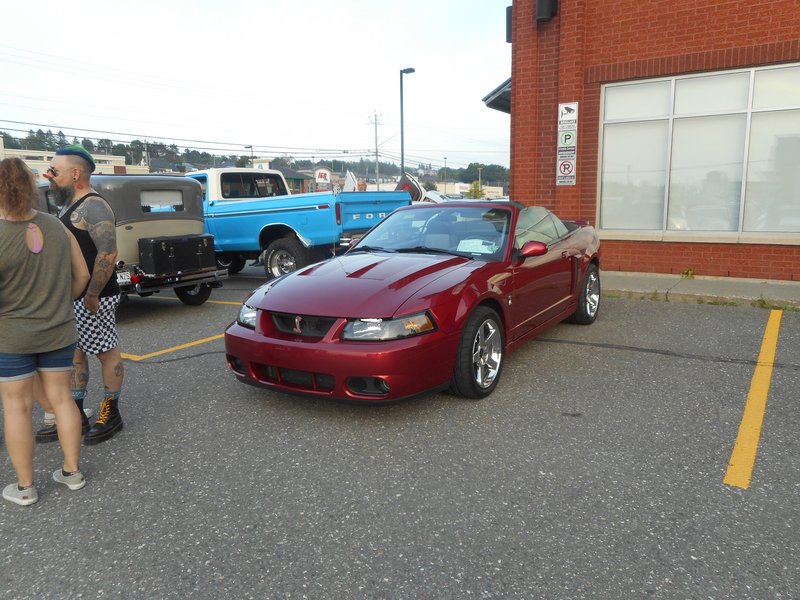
{"x":302,"y":380}
{"x":302,"y":325}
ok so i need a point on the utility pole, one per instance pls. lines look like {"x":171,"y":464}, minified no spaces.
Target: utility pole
{"x":480,"y":187}
{"x":377,"y":167}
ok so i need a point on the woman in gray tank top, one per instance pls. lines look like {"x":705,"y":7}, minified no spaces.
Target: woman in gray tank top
{"x":37,"y":327}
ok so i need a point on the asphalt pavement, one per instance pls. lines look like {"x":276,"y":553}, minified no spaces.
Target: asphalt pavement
{"x":596,"y":469}
{"x":713,"y":290}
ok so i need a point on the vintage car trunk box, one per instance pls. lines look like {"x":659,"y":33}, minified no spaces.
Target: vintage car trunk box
{"x":171,"y":254}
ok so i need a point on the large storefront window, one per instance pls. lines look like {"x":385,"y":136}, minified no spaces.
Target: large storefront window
{"x":711,"y":153}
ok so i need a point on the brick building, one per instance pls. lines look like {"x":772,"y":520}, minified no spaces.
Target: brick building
{"x":672,"y":125}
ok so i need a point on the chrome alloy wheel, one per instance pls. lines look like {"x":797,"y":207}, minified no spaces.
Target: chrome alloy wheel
{"x":282,"y":262}
{"x":487,"y":354}
{"x":592,"y":294}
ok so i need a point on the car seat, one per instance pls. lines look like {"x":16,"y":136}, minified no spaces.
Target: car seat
{"x":438,"y":234}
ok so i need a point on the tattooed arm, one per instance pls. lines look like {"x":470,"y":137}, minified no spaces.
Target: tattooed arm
{"x":98,"y":219}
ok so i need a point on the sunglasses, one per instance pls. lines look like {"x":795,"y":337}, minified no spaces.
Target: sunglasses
{"x":52,"y":172}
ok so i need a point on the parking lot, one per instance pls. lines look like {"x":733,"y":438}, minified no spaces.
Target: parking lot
{"x":596,"y":470}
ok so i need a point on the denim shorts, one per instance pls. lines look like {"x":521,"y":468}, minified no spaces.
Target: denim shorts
{"x":14,"y":367}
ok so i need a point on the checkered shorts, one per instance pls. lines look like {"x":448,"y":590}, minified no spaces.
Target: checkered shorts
{"x":97,"y":333}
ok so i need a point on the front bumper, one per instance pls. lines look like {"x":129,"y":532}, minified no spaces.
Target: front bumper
{"x":371,"y":372}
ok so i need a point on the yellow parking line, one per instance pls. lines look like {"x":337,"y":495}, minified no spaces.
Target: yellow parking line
{"x":743,"y":457}
{"x":138,"y":357}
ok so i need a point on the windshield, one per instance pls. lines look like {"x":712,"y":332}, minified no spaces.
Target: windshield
{"x":475,"y":231}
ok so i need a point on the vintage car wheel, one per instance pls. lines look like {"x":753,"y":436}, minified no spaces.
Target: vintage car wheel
{"x":284,"y":256}
{"x":193,"y":295}
{"x":589,"y":299}
{"x":479,"y":359}
{"x":233,"y":262}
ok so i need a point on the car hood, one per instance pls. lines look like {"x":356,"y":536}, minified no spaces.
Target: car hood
{"x":356,"y":285}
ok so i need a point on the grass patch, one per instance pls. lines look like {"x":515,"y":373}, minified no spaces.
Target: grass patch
{"x":718,"y":302}
{"x":770,"y":305}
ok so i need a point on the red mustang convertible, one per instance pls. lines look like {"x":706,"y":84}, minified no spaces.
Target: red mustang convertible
{"x":434,"y":297}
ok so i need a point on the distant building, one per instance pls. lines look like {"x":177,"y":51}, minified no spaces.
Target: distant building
{"x":39,"y":160}
{"x":299,"y":183}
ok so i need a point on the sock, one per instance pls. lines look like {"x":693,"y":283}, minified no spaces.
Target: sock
{"x":109,"y":395}
{"x":78,"y":394}
{"x":22,"y":489}
{"x":67,"y":473}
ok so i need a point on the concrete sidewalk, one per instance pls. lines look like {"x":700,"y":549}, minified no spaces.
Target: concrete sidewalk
{"x":757,"y":292}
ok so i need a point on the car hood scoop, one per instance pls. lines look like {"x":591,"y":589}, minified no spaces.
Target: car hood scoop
{"x":357,"y":285}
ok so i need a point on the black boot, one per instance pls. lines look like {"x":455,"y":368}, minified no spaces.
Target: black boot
{"x":107,"y":425}
{"x":50,"y":433}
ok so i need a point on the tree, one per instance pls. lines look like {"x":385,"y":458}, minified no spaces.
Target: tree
{"x":61,"y":139}
{"x":243,"y":161}
{"x":475,"y":190}
{"x":88,"y":144}
{"x":105,"y":146}
{"x":9,"y":141}
{"x":120,"y":150}
{"x":34,"y":141}
{"x":137,"y":151}
{"x":429,"y":186}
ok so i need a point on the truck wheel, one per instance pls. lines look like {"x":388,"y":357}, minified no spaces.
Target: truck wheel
{"x":284,"y":256}
{"x":233,"y":262}
{"x":193,"y":295}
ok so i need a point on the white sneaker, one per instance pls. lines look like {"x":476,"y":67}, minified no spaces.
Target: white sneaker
{"x":74,"y":482}
{"x":22,"y":497}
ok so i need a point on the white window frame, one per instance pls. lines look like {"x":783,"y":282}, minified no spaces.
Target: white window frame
{"x":740,"y":236}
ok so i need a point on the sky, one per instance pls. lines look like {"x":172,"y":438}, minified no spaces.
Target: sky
{"x":300,"y":78}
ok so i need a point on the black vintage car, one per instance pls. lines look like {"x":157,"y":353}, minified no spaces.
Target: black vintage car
{"x":160,"y":239}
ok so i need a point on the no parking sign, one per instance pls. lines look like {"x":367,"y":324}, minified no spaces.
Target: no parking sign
{"x":567,"y":150}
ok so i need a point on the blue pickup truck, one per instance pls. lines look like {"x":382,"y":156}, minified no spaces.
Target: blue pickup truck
{"x":251,"y":214}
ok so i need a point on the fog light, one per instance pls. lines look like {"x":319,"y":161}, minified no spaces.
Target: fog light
{"x":368,"y":386}
{"x":236,"y":365}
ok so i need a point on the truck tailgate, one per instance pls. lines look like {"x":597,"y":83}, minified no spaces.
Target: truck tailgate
{"x":361,"y":210}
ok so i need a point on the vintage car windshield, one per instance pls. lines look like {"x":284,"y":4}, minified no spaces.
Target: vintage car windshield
{"x":475,"y":231}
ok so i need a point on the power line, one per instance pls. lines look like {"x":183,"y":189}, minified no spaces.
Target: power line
{"x":193,"y":143}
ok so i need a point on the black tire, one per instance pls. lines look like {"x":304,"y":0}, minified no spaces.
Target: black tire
{"x":479,"y":359}
{"x":193,"y":295}
{"x":233,"y":262}
{"x":589,"y":298}
{"x":284,"y":256}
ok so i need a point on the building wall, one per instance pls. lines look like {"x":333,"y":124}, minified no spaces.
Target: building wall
{"x":593,"y":42}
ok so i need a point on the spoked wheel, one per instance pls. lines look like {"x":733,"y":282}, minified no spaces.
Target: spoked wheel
{"x":589,"y":299}
{"x":479,"y":361}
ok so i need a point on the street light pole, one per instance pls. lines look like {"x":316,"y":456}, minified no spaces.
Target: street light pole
{"x":480,"y":187}
{"x":445,"y":175}
{"x":407,"y":71}
{"x":251,"y":154}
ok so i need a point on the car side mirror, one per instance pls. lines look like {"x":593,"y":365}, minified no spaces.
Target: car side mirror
{"x":531,"y":249}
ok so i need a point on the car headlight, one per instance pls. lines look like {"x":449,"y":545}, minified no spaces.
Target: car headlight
{"x":373,"y":330}
{"x":247,"y":316}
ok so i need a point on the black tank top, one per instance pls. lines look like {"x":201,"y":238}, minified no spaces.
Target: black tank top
{"x":88,"y":249}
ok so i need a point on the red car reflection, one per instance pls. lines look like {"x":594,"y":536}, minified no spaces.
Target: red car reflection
{"x":433,"y":297}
